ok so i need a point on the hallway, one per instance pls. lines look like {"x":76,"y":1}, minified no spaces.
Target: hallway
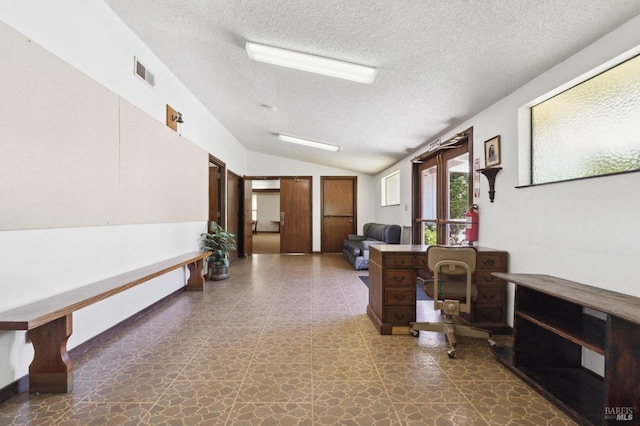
{"x":285,"y":341}
{"x":266,"y":243}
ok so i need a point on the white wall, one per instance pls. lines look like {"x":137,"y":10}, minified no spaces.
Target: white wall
{"x":581,"y":230}
{"x":268,"y":211}
{"x":37,"y":263}
{"x":90,"y":37}
{"x":266,"y":165}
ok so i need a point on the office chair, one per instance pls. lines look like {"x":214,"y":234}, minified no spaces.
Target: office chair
{"x":451,"y":293}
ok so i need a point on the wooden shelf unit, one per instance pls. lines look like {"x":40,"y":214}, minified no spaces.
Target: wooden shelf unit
{"x":550,"y":330}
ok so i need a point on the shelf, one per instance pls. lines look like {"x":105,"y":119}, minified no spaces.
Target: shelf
{"x":587,"y":331}
{"x":490,"y":174}
{"x":577,"y":390}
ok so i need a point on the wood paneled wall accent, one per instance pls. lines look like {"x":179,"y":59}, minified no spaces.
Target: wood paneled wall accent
{"x":73,"y":154}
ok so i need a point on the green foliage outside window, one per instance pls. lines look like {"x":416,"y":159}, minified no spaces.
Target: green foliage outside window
{"x":458,"y":195}
{"x":430,"y":235}
{"x":458,"y":206}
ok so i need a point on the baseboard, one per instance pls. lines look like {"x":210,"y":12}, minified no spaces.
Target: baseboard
{"x":14,"y":388}
{"x":22,"y":384}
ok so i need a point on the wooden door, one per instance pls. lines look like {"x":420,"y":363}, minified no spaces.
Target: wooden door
{"x":295,"y":215}
{"x":338,"y":198}
{"x":215,"y":193}
{"x":234,"y":211}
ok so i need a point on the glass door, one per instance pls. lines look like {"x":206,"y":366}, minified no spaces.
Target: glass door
{"x":444,"y":182}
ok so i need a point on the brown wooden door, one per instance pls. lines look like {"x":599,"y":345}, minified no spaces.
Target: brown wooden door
{"x":338,"y":197}
{"x":295,"y":215}
{"x":234,"y":210}
{"x":215,"y":180}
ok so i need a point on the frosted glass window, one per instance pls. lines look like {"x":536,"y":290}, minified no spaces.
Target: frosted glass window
{"x":591,"y":129}
{"x":391,"y":189}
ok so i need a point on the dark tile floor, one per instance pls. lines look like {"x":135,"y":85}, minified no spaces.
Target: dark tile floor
{"x":285,"y":341}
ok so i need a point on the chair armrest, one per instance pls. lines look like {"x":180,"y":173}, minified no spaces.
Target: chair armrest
{"x":354,"y":237}
{"x":367,"y":243}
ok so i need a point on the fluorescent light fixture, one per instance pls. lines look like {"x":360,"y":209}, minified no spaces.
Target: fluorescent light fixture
{"x":307,"y":142}
{"x":311,"y":63}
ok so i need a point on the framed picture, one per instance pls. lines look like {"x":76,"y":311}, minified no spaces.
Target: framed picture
{"x":492,"y":152}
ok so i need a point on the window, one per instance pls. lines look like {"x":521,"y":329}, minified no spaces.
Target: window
{"x":390,"y":188}
{"x":590,"y":129}
{"x":442,"y":181}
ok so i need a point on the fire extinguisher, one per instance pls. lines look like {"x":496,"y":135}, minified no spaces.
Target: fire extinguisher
{"x":471,"y":229}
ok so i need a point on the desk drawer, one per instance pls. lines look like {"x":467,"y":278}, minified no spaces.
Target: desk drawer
{"x":399,"y":314}
{"x":492,"y":261}
{"x":399,"y":296}
{"x":483,"y":278}
{"x":399,"y":261}
{"x":490,"y":295}
{"x":399,"y":277}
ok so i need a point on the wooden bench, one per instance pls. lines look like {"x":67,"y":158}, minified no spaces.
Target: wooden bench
{"x":49,"y":321}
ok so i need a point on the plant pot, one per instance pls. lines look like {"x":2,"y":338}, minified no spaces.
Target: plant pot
{"x":218,"y":273}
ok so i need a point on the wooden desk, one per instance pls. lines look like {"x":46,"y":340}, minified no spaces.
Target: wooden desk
{"x":550,"y":331}
{"x":393,"y":269}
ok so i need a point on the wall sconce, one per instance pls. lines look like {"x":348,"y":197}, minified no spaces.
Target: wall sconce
{"x":173,"y":118}
{"x":177,"y":118}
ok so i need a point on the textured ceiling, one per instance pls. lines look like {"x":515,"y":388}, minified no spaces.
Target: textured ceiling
{"x":439,"y":62}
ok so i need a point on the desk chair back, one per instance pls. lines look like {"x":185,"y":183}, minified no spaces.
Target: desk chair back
{"x":453,"y":257}
{"x":454,"y":261}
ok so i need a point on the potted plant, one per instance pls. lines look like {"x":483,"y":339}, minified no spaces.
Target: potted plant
{"x":219,"y":242}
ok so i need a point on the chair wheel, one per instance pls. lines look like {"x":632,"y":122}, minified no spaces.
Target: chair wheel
{"x":451,"y":353}
{"x":415,"y":333}
{"x":491,"y":342}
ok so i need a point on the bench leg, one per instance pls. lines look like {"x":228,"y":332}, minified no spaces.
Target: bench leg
{"x":196,"y":280}
{"x":51,"y":369}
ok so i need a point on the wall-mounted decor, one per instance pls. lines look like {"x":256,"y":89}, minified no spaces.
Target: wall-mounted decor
{"x":173,"y":118}
{"x":491,"y":173}
{"x":492,"y":152}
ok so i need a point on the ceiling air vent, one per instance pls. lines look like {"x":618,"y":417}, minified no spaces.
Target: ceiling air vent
{"x":142,"y":72}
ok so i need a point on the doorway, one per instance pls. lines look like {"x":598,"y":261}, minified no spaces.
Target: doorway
{"x":442,"y":191}
{"x":235,"y":212}
{"x":339,"y":211}
{"x":265,"y":216}
{"x":280,"y":217}
{"x":217,"y":190}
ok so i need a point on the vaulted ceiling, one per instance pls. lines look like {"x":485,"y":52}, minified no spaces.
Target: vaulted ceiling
{"x":439,"y":63}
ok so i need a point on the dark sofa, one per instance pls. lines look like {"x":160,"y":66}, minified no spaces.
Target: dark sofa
{"x":356,"y":248}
